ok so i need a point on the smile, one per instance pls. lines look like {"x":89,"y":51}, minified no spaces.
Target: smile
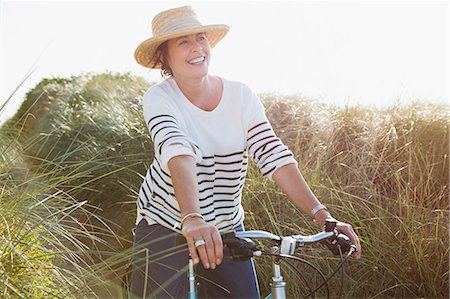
{"x":197,"y":60}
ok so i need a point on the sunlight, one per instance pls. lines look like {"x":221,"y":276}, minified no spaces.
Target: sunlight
{"x":366,"y":53}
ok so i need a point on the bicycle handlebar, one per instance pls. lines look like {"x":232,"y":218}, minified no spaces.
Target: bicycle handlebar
{"x":243,"y":246}
{"x":300,"y":239}
{"x":258,"y":234}
{"x":243,"y":241}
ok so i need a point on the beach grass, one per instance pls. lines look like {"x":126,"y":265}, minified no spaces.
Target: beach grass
{"x":74,"y":155}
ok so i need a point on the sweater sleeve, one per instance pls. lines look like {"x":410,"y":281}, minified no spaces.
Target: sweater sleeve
{"x":264,"y":147}
{"x":168,"y":138}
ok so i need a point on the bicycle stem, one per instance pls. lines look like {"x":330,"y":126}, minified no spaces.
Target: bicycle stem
{"x":278,"y":283}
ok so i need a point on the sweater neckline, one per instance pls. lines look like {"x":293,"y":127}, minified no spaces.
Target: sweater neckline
{"x":197,"y":109}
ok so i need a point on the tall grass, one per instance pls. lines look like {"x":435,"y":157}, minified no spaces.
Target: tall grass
{"x":63,"y":229}
{"x":33,"y":241}
{"x":74,"y":155}
{"x":386,"y":172}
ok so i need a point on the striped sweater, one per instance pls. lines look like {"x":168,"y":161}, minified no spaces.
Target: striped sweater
{"x":220,"y":140}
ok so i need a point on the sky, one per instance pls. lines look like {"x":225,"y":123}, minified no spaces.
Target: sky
{"x":369,"y":53}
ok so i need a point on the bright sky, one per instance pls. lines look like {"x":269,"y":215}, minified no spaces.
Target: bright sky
{"x":357,"y":53}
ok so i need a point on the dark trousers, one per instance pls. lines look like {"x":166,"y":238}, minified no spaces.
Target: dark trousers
{"x":160,"y":269}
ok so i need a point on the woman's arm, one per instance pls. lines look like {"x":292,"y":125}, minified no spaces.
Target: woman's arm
{"x":184,"y":179}
{"x":291,"y":181}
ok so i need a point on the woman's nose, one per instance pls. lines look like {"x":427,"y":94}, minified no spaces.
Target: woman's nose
{"x":197,"y":46}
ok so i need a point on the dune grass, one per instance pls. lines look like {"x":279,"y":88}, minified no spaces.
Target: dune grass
{"x":74,"y":155}
{"x":384,"y":171}
{"x":58,"y":175}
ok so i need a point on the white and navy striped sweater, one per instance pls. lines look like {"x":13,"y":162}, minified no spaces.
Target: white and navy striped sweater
{"x":220,"y":140}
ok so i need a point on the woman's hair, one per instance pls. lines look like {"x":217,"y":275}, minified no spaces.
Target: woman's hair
{"x":161,"y":54}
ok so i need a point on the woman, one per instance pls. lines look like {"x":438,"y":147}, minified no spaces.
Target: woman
{"x":204,"y":128}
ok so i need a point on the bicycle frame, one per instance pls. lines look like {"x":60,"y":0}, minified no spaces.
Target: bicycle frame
{"x":278,"y":283}
{"x":191,"y":277}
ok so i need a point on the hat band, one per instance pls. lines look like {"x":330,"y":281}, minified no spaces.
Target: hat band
{"x":172,"y":27}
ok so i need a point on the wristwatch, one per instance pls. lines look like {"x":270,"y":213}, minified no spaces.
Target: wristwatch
{"x":317,"y":209}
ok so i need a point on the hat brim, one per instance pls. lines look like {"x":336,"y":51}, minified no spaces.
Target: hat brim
{"x":145,"y":52}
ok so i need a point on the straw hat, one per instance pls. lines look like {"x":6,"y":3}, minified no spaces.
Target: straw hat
{"x":174,"y":23}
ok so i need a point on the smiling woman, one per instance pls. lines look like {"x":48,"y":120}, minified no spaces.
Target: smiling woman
{"x":185,"y":60}
{"x":204,"y":128}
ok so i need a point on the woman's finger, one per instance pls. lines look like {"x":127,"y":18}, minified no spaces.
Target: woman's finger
{"x":201,"y":249}
{"x":347,"y":230}
{"x":210,"y":251}
{"x":218,"y":246}
{"x":357,"y":244}
{"x":192,"y":250}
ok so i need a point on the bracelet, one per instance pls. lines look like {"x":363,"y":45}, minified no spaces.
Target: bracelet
{"x":317,"y":209}
{"x":190,"y":215}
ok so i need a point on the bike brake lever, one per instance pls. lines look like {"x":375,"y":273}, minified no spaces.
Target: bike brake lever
{"x":329,"y":225}
{"x":343,"y":243}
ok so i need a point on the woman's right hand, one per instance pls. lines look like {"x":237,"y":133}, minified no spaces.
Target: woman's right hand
{"x":211,"y":253}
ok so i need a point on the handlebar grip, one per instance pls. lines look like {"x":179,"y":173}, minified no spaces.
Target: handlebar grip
{"x":240,"y":249}
{"x":341,"y":242}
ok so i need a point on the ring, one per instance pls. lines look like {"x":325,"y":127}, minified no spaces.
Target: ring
{"x":199,"y":243}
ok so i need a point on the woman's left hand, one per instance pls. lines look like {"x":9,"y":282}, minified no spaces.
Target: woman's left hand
{"x":343,"y":228}
{"x":347,"y":230}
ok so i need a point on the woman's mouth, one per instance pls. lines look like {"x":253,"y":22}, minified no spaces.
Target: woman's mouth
{"x":197,"y":60}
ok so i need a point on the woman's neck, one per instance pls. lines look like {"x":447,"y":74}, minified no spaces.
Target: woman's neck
{"x":204,"y":93}
{"x":195,"y":86}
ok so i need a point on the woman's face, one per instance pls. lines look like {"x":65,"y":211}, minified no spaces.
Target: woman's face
{"x":188,"y":56}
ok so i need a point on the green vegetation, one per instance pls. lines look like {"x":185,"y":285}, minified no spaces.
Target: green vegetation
{"x":384,"y":171}
{"x":72,"y":161}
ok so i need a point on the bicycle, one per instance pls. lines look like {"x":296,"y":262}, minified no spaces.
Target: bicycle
{"x":242,"y":246}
